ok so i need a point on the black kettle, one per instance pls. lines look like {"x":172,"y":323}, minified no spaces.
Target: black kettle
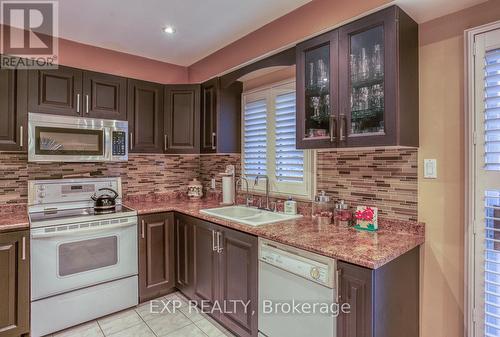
{"x":105,"y":201}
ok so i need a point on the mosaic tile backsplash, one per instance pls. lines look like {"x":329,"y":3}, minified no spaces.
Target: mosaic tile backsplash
{"x":385,"y":178}
{"x":141,"y":174}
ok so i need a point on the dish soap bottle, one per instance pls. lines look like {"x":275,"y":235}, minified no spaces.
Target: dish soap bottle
{"x":290,"y":206}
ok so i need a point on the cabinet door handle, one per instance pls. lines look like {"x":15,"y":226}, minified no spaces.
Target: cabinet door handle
{"x":214,"y":147}
{"x":87,"y":104}
{"x":78,"y":103}
{"x":131,"y":141}
{"x":23,"y":249}
{"x":142,"y":229}
{"x":219,"y":248}
{"x":214,"y":248}
{"x":333,"y":128}
{"x":21,"y":136}
{"x":165,"y":142}
{"x":343,"y":125}
{"x":338,"y":272}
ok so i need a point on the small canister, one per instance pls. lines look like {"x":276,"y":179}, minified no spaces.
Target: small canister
{"x":322,"y":209}
{"x":342,"y":215}
{"x":195,"y":189}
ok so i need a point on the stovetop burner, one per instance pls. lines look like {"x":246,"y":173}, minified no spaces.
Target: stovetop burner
{"x":104,"y":211}
{"x":58,"y":216}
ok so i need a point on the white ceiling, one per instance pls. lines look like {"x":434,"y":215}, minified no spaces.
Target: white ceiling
{"x":425,"y":10}
{"x":203,"y":26}
{"x":134,"y":26}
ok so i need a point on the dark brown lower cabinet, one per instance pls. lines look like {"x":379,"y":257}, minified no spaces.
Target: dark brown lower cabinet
{"x":239,"y":281}
{"x":223,"y":265}
{"x":205,"y":264}
{"x":183,"y":255}
{"x":14,"y":284}
{"x":156,"y":255}
{"x":383,"y":302}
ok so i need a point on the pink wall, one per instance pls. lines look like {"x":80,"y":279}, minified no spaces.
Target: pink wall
{"x":88,"y":57}
{"x":305,"y":21}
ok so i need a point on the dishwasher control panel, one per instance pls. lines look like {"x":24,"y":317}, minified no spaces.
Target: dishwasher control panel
{"x":317,"y":268}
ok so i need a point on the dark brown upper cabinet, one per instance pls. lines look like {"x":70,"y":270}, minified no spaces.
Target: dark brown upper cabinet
{"x":56,"y":91}
{"x":74,"y":92}
{"x":15,"y":281}
{"x":317,"y":92}
{"x":104,"y":96}
{"x":182,"y":119}
{"x":209,"y":108}
{"x":220,"y":117}
{"x":156,"y":255}
{"x":13,"y":110}
{"x":145,"y":117}
{"x":375,"y":72}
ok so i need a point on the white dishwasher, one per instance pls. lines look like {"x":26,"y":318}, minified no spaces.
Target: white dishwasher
{"x":289,"y":277}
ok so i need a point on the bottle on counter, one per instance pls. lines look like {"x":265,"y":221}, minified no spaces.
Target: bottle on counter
{"x":322,"y":209}
{"x":342,"y":215}
{"x":290,"y":206}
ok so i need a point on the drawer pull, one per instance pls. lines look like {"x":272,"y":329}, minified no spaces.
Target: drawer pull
{"x":23,"y":250}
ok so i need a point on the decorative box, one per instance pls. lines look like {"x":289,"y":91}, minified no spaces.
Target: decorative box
{"x":366,"y":218}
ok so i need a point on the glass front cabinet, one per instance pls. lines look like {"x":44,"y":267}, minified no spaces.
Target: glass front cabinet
{"x":357,"y":86}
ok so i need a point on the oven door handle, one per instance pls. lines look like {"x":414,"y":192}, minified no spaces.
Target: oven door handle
{"x":44,"y":235}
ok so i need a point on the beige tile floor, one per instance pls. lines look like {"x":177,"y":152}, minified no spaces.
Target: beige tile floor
{"x":141,"y":322}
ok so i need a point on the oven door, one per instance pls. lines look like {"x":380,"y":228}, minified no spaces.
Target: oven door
{"x":75,"y":256}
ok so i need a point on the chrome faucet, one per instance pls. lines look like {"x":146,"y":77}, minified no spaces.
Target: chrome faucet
{"x":267,"y":187}
{"x":247,"y":196}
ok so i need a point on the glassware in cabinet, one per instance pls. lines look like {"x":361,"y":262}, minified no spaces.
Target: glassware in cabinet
{"x":316,"y":91}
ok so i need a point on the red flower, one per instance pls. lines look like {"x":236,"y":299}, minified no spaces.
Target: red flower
{"x":366,"y":214}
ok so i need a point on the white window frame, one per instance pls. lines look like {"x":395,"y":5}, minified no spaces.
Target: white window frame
{"x":303,"y":190}
{"x":470,"y":104}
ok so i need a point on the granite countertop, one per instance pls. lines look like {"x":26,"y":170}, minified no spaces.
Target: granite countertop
{"x":13,"y":218}
{"x":371,"y":250}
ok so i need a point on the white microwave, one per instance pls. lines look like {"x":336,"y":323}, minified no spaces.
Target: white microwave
{"x":54,"y":138}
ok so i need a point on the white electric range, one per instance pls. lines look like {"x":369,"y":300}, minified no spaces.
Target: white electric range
{"x":83,"y":263}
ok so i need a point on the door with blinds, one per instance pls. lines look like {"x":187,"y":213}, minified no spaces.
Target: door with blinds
{"x":487,"y":184}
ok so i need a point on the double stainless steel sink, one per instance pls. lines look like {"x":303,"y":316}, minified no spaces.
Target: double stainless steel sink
{"x":248,"y":215}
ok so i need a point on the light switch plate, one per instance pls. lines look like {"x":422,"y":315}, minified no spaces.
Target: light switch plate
{"x":430,"y":168}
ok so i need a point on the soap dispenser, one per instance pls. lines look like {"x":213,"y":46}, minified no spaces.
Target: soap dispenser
{"x":290,"y":206}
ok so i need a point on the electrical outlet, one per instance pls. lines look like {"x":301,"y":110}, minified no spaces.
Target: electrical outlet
{"x":430,"y":168}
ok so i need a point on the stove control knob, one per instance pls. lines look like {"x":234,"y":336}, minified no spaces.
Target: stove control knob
{"x":315,"y":273}
{"x":41,"y":194}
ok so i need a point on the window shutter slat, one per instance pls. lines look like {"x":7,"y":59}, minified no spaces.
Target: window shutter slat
{"x":255,"y":138}
{"x":492,"y":110}
{"x":288,"y":160}
{"x":492,"y":262}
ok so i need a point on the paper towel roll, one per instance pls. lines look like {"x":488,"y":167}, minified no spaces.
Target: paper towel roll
{"x":228,"y":190}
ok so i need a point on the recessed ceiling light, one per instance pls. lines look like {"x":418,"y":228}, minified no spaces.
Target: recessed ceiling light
{"x":169,"y":30}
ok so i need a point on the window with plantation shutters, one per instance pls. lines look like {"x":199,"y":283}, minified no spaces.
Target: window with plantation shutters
{"x":485,"y":201}
{"x":492,"y":109}
{"x":269,"y":148}
{"x":289,"y":160}
{"x":255,"y":138}
{"x":491,"y":200}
